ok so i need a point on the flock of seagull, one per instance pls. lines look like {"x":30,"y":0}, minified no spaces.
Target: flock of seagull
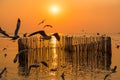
{"x":15,"y":36}
{"x":41,"y":32}
{"x":37,"y":64}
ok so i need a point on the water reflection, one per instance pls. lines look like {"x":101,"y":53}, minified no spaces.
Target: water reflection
{"x":76,"y":65}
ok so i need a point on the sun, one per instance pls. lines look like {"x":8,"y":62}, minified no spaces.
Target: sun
{"x":54,"y":9}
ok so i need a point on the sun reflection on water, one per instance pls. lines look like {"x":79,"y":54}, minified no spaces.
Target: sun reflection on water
{"x":55,"y":57}
{"x":53,"y":41}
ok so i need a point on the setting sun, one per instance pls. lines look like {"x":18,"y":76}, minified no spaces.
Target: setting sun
{"x":54,"y":9}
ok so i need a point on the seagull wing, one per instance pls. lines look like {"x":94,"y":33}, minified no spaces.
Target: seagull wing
{"x":43,"y":33}
{"x":32,"y":66}
{"x":38,"y":32}
{"x":17,"y":27}
{"x":114,"y":69}
{"x":48,"y":26}
{"x":57,"y":36}
{"x":17,"y":55}
{"x":41,"y":22}
{"x":3,"y":32}
{"x":62,"y":75}
{"x":2,"y":71}
{"x":16,"y":58}
{"x":44,"y":63}
{"x":106,"y":76}
{"x":34,"y":33}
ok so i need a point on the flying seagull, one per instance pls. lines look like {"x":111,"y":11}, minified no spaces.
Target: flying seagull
{"x":36,"y":65}
{"x":112,"y":71}
{"x":16,"y":36}
{"x":2,"y":71}
{"x":42,"y":22}
{"x":44,"y":63}
{"x":4,"y":32}
{"x":44,"y":35}
{"x":4,"y":49}
{"x":118,"y":46}
{"x":48,"y":26}
{"x":55,"y":69}
{"x":17,"y":55}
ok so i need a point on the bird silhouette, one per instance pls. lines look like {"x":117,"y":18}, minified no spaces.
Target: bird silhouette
{"x":44,"y":35}
{"x":56,"y":69}
{"x":44,"y":63}
{"x":25,"y":35}
{"x":63,"y":76}
{"x":117,"y":46}
{"x":17,"y":55}
{"x":2,"y":71}
{"x":4,"y":32}
{"x":98,"y":33}
{"x":112,"y":71}
{"x":5,"y":54}
{"x":57,"y":36}
{"x":41,"y":22}
{"x":48,"y":26}
{"x":15,"y":36}
{"x":36,"y":65}
{"x":4,"y":49}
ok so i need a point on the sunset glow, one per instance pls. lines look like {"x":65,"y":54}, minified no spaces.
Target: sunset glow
{"x":65,"y":16}
{"x":54,"y":9}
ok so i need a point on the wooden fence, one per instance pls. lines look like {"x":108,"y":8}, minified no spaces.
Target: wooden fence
{"x":93,"y":52}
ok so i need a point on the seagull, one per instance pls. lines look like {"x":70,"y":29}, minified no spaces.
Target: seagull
{"x":42,"y":22}
{"x":44,"y":63}
{"x":17,"y":55}
{"x":4,"y":49}
{"x":4,"y":32}
{"x":98,"y":33}
{"x":48,"y":26}
{"x":36,"y":65}
{"x":25,"y":35}
{"x":118,"y":46}
{"x":2,"y":71}
{"x":16,"y":36}
{"x":5,"y":54}
{"x":44,"y":35}
{"x":55,"y":69}
{"x":112,"y":71}
{"x":63,"y":76}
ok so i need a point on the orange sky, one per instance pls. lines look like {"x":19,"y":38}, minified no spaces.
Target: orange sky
{"x":73,"y":17}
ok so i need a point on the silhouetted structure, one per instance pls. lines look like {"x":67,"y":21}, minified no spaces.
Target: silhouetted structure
{"x":83,"y":52}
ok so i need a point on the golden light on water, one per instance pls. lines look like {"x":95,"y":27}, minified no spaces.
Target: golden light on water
{"x":55,"y":57}
{"x":53,"y":41}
